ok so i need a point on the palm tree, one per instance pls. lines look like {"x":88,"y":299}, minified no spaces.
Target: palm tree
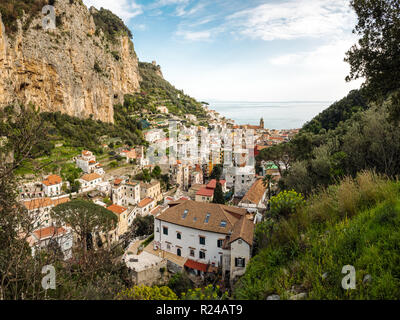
{"x":267,"y":183}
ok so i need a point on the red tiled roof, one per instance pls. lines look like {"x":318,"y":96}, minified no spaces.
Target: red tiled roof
{"x":52,"y":180}
{"x":205,"y":192}
{"x":144,"y":202}
{"x":117,"y":182}
{"x":196,"y":265}
{"x":116,"y":209}
{"x":49,"y":232}
{"x":213,"y":183}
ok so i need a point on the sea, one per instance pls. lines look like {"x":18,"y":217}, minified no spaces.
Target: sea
{"x":277,"y":115}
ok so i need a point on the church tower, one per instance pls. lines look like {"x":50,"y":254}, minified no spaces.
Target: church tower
{"x":261,"y":123}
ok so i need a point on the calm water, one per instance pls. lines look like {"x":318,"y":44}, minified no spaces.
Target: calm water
{"x":277,"y":115}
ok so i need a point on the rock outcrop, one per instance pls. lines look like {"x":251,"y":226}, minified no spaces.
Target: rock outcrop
{"x":74,"y":68}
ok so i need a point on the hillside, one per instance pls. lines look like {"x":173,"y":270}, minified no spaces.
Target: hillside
{"x":353,"y":223}
{"x":82,"y":68}
{"x":156,"y":91}
{"x":339,"y":111}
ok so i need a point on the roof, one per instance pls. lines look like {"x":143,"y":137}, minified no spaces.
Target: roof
{"x":244,"y":229}
{"x":255,"y":193}
{"x":196,"y":265}
{"x":149,"y":185}
{"x":91,"y":176}
{"x":117,"y":209}
{"x":205,"y":192}
{"x":52,"y":180}
{"x":196,"y":216}
{"x":117,"y":182}
{"x":213,"y":183}
{"x":145,"y":202}
{"x":49,"y":232}
{"x":43,"y":203}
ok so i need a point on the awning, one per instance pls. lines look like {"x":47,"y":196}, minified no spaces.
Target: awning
{"x":196,"y":265}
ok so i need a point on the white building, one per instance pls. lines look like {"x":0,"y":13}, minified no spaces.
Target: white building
{"x":145,"y":206}
{"x":125,"y":193}
{"x":207,"y":235}
{"x":87,"y":162}
{"x":89,"y":182}
{"x":40,"y":209}
{"x":241,"y":178}
{"x":52,"y":185}
{"x":63,"y":237}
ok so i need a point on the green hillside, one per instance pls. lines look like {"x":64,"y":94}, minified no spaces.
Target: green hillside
{"x":356,"y":222}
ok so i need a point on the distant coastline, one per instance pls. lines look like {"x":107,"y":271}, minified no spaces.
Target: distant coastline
{"x":277,"y":115}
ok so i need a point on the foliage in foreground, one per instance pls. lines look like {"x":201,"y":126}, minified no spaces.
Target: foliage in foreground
{"x":356,"y":222}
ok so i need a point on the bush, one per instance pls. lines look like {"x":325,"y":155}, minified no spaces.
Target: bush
{"x":147,"y":293}
{"x":285,"y":203}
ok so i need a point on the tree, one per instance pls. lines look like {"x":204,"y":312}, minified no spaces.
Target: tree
{"x":85,"y":218}
{"x":216,"y":172}
{"x":156,"y":173}
{"x":376,"y":57}
{"x":21,"y":130}
{"x":142,"y":226}
{"x":218,"y":194}
{"x":147,"y":293}
{"x":180,"y":283}
{"x":285,"y":204}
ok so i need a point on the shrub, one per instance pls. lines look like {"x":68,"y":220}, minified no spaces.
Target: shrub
{"x":147,"y":293}
{"x":285,"y":203}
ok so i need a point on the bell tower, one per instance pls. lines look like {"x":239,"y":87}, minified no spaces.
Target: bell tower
{"x":261,"y":123}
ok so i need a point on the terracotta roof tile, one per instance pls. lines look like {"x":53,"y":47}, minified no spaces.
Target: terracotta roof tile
{"x":205,"y":192}
{"x":196,"y":216}
{"x":49,"y":232}
{"x":255,"y":193}
{"x":52,"y":180}
{"x":90,"y":177}
{"x":144,"y":202}
{"x":243,"y":229}
{"x":213,"y":183}
{"x":116,"y":209}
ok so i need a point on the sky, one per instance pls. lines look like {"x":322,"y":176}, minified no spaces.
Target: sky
{"x":253,"y":50}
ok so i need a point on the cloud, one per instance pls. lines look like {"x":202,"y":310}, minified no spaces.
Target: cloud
{"x":294,"y":19}
{"x":125,"y":9}
{"x":195,"y":35}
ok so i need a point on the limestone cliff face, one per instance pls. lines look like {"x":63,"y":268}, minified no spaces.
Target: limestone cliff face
{"x":72,"y":69}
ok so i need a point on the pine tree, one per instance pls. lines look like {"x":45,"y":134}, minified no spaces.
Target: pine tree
{"x":218,"y":194}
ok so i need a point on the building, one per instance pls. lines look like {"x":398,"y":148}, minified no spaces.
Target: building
{"x":52,"y":185}
{"x":87,"y":162}
{"x":145,"y":206}
{"x":40,"y":209}
{"x":125,"y":193}
{"x":207,"y":235}
{"x":255,"y":199}
{"x":241,"y":178}
{"x":122,"y":214}
{"x":145,"y":268}
{"x":162,"y":109}
{"x":42,"y":238}
{"x":151,"y":190}
{"x":90,"y":181}
{"x":206,"y":194}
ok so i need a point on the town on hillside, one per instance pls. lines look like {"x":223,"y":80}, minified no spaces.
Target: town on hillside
{"x":202,"y":206}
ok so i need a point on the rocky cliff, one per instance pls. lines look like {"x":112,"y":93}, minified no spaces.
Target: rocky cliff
{"x":74,"y":68}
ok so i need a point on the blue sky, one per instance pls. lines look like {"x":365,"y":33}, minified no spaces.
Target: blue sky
{"x":253,"y":50}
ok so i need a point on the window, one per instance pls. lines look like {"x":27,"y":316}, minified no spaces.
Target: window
{"x":219,"y":243}
{"x":178,"y":252}
{"x":207,"y":218}
{"x":165,"y":230}
{"x":179,"y":235}
{"x":223,"y":224}
{"x":191,"y":252}
{"x":202,"y":255}
{"x":240,"y":262}
{"x":202,"y":240}
{"x":185,"y":213}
